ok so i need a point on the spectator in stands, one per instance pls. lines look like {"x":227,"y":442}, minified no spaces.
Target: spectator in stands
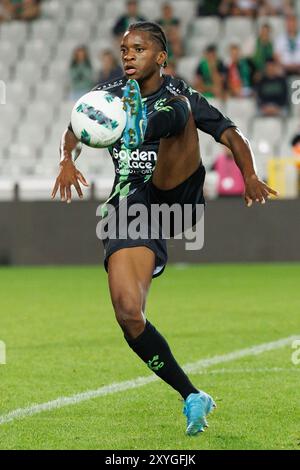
{"x":287,"y":47}
{"x":30,"y":10}
{"x":230,"y":180}
{"x":171,"y":26}
{"x":295,"y":143}
{"x":110,"y":68}
{"x":132,"y":16}
{"x":209,"y":7}
{"x":275,"y":7}
{"x":168,"y":19}
{"x":25,"y":10}
{"x":272,"y":91}
{"x":296,"y":153}
{"x":5,"y":10}
{"x":210,"y":74}
{"x":238,"y":8}
{"x":238,"y":74}
{"x":264,"y":49}
{"x":81,"y":73}
{"x":175,"y":44}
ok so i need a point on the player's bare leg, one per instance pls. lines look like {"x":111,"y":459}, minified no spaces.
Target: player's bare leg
{"x":178,"y":159}
{"x":130,"y":273}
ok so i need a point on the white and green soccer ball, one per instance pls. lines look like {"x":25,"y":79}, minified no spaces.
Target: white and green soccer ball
{"x":98,"y":119}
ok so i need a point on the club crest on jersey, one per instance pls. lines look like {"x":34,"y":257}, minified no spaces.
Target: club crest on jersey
{"x":160,"y":104}
{"x":97,"y":115}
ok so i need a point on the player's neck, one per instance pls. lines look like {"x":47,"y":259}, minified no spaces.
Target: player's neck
{"x":150,"y":86}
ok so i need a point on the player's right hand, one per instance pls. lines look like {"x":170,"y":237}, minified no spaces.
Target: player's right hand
{"x":68,"y":176}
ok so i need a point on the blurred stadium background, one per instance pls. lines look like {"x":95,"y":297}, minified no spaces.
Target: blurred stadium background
{"x":57,"y":321}
{"x":53,"y":51}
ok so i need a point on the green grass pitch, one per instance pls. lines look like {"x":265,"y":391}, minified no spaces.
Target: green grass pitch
{"x":62,"y":339}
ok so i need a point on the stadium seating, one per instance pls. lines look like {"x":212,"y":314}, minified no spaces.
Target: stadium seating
{"x":19,"y":92}
{"x":49,"y":92}
{"x":186,"y":67}
{"x":5,"y":71}
{"x":238,"y":27}
{"x":148,"y":11}
{"x":45,"y":29}
{"x":207,"y":27}
{"x":268,"y":130}
{"x":276,"y":23}
{"x":27,"y":72}
{"x":34,"y":64}
{"x":195,"y":46}
{"x":7,"y":188}
{"x":112,"y":10}
{"x":87,"y":10}
{"x":37,"y":50}
{"x":15,"y":32}
{"x":8,"y":53}
{"x":240,"y":107}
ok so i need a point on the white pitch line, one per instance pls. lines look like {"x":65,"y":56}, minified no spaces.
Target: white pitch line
{"x":251,"y":370}
{"x":191,"y":368}
{"x":194,"y":367}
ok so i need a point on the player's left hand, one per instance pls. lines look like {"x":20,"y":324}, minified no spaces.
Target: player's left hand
{"x":257,"y":191}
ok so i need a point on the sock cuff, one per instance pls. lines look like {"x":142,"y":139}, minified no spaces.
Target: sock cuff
{"x":149,"y":328}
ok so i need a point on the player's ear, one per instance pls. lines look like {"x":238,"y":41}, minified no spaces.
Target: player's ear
{"x":161,"y":58}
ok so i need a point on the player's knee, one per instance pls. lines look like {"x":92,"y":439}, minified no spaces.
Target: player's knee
{"x":129,"y":314}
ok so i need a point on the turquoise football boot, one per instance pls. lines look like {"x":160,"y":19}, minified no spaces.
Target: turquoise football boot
{"x":136,"y":118}
{"x":196,"y":407}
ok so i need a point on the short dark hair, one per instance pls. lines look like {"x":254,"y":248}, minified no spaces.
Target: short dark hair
{"x":295,"y":140}
{"x":156,"y":32}
{"x":211,"y":48}
{"x":270,"y":60}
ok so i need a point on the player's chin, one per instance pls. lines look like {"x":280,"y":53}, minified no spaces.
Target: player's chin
{"x":134,"y":75}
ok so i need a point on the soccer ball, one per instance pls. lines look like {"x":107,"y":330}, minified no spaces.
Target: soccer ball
{"x":98,"y":119}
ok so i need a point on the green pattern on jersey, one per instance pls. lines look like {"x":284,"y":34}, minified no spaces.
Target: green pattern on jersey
{"x":121,"y":189}
{"x":160,"y":105}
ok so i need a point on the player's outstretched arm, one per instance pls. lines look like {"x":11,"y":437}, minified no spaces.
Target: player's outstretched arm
{"x":68,"y":174}
{"x":255,"y":189}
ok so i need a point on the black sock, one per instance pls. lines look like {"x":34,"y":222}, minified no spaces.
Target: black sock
{"x":153,"y":349}
{"x":169,"y":121}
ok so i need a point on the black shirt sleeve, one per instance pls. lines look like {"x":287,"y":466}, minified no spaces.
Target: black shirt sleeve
{"x":207,"y":118}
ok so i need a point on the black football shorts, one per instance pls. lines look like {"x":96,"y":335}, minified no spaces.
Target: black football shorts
{"x":189,"y":191}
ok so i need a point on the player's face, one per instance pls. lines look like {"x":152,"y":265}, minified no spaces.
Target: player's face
{"x":141,"y":56}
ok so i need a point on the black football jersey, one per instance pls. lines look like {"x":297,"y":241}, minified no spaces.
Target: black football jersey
{"x":134,"y":167}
